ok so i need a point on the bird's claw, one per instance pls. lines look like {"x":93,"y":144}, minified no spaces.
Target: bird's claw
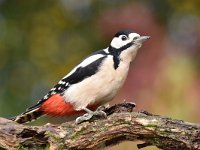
{"x":101,"y":108}
{"x":100,"y":113}
{"x":83,"y":118}
{"x":89,"y":115}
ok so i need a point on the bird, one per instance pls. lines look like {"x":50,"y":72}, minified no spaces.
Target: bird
{"x":91,"y":84}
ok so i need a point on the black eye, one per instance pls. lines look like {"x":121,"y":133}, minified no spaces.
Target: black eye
{"x":124,"y":38}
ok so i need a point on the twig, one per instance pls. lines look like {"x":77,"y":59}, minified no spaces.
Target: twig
{"x":121,"y":125}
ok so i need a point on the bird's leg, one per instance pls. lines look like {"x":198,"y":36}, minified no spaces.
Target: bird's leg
{"x":99,"y":112}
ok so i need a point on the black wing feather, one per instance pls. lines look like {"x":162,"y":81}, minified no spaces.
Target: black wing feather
{"x":83,"y":72}
{"x":79,"y":75}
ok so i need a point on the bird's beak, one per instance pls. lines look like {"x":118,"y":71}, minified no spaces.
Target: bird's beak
{"x":141,"y":39}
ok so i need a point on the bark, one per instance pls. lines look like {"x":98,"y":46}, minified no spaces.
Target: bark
{"x":122,"y":124}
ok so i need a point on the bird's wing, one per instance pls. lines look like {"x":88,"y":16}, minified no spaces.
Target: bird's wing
{"x":85,"y":69}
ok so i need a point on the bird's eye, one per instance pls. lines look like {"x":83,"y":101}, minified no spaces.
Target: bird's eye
{"x":124,"y":38}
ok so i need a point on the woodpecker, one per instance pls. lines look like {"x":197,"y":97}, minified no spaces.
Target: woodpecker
{"x":92,"y":83}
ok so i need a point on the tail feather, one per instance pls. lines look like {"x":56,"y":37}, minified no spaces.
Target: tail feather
{"x":28,"y":116}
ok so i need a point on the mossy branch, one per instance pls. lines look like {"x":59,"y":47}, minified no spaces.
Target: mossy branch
{"x":121,"y":125}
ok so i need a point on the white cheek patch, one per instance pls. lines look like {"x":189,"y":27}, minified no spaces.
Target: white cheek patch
{"x":117,"y":42}
{"x":85,"y":62}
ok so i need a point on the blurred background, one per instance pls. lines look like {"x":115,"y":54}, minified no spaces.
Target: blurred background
{"x":41,"y":41}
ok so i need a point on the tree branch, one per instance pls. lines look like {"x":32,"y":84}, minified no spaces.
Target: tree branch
{"x":121,"y":125}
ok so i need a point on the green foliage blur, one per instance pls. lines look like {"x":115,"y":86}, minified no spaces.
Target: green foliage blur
{"x":41,"y":41}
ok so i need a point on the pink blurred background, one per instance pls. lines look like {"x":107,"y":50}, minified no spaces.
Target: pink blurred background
{"x":40,"y":41}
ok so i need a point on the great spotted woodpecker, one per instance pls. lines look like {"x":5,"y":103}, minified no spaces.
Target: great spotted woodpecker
{"x":92,"y":83}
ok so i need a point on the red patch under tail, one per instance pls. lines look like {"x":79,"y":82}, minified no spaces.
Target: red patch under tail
{"x":57,"y":106}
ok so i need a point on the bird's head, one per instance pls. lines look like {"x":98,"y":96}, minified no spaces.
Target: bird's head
{"x":126,"y":43}
{"x":127,"y":39}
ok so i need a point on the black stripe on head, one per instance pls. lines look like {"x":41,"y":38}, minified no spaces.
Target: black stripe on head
{"x":123,"y":32}
{"x":118,"y":51}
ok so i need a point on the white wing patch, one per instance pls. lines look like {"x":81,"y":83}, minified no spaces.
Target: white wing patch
{"x":85,"y":62}
{"x":90,"y":59}
{"x":106,"y":51}
{"x":61,"y":82}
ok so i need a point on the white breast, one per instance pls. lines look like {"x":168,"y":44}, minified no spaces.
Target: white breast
{"x":99,"y":88}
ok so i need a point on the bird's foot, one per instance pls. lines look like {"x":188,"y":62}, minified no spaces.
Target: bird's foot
{"x":98,"y":113}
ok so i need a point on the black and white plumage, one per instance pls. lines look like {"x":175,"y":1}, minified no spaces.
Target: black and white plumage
{"x":93,"y":82}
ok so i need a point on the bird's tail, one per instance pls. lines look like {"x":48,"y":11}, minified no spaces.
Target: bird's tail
{"x":29,"y":115}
